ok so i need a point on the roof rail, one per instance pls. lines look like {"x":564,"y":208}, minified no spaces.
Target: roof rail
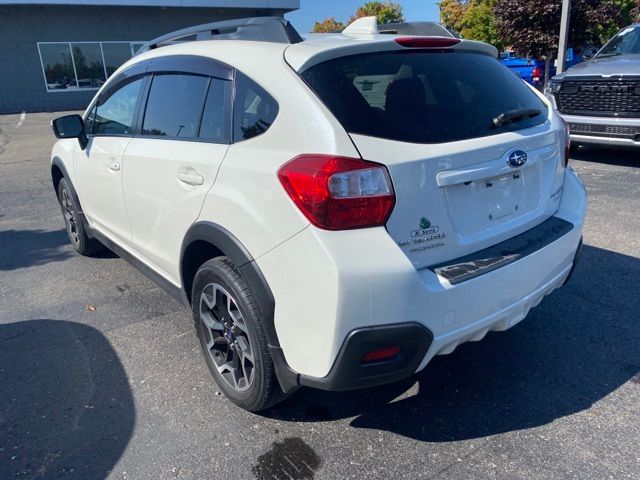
{"x":263,"y":29}
{"x":370,"y":26}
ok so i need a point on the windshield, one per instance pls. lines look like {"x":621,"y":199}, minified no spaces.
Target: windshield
{"x":625,"y":42}
{"x":425,"y":96}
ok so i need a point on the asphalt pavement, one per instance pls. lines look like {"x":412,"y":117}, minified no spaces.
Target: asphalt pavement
{"x":101,"y":375}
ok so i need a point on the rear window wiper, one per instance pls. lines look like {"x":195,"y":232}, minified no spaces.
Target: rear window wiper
{"x":513,"y":116}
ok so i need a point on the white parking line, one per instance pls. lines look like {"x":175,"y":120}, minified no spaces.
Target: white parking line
{"x":23,"y":115}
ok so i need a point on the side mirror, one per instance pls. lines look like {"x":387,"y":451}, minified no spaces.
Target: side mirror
{"x":70,"y":126}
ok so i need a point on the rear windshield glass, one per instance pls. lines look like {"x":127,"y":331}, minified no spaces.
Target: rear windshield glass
{"x":423,"y":97}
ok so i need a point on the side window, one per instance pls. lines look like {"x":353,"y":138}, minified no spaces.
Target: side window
{"x":254,"y":110}
{"x":174,"y":105}
{"x":216,"y":121}
{"x":114,"y":113}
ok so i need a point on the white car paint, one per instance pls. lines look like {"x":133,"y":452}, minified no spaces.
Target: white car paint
{"x":326,"y":283}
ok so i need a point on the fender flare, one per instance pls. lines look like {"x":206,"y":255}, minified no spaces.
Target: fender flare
{"x":245,"y":264}
{"x":57,"y":162}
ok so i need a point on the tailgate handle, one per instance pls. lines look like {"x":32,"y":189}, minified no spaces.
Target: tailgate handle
{"x":492,"y":169}
{"x":472,"y":173}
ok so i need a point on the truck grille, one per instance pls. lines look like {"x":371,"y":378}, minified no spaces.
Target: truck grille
{"x":619,"y":131}
{"x":600,"y":98}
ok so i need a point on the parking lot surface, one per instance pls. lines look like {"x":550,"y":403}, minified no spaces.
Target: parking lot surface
{"x":101,"y":375}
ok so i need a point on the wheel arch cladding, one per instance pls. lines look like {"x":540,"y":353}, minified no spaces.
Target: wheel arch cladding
{"x":58,"y":172}
{"x":206,"y":240}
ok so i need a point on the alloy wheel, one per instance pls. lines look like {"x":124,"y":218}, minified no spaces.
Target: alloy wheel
{"x":70,"y":218}
{"x":226,"y":337}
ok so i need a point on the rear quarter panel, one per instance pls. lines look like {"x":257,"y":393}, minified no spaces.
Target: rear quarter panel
{"x":247,"y":197}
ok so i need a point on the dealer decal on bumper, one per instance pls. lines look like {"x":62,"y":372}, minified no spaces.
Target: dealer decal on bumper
{"x":425,"y":234}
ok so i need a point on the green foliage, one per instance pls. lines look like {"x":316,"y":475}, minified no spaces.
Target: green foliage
{"x":452,"y":13}
{"x":473,"y":19}
{"x":623,"y":13}
{"x":386,"y":12}
{"x":328,"y":25}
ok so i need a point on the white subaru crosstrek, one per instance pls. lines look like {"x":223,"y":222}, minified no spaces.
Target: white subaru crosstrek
{"x":336,"y":211}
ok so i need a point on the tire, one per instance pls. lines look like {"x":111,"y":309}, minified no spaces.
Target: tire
{"x":232,"y":337}
{"x":76,"y":232}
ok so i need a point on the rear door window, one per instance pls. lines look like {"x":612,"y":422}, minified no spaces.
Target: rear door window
{"x":174,"y":105}
{"x":216,"y":118}
{"x":422,"y":97}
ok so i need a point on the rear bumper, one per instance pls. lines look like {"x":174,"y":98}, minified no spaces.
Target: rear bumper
{"x":350,"y":372}
{"x":328,"y":285}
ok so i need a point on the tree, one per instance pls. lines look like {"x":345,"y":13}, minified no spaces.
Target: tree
{"x":472,"y":19}
{"x":452,"y":13}
{"x":386,"y":12}
{"x":532,"y":27}
{"x":629,"y":12}
{"x":635,"y":12}
{"x":328,"y":25}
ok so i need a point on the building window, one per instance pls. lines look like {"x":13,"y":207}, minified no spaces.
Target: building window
{"x":73,"y":66}
{"x":87,"y":57}
{"x":57,"y":64}
{"x":115,"y":54}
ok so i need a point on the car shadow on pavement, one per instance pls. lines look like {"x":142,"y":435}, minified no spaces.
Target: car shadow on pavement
{"x":578,"y":346}
{"x":26,"y":248}
{"x":66,"y":408}
{"x":622,"y":157}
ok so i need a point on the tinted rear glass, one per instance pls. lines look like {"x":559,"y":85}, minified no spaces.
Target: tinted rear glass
{"x":174,"y":105}
{"x":422,"y":97}
{"x":254,"y":110}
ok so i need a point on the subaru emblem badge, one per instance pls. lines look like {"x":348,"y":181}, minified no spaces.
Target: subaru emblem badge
{"x":517,"y":159}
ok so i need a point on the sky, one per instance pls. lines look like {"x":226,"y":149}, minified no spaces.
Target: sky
{"x":317,"y":10}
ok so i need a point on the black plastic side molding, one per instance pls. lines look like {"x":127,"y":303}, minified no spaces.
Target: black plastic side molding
{"x":231,"y":247}
{"x":57,"y":162}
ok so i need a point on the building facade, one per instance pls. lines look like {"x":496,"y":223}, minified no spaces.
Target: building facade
{"x":54,"y":55}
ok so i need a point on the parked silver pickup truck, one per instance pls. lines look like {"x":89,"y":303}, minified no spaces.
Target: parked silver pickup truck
{"x":600,"y":99}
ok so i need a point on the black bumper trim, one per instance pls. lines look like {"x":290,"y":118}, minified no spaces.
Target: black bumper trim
{"x":576,"y":258}
{"x":348,"y":371}
{"x":504,"y":253}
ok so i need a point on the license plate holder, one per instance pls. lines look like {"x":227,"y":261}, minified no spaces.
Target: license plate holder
{"x":503,"y":195}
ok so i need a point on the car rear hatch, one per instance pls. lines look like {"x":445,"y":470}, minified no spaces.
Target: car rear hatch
{"x":464,"y":177}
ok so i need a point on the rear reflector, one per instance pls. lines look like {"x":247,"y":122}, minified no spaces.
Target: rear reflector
{"x":339,"y":193}
{"x":381,"y":354}
{"x":537,"y":73}
{"x":427,"y":42}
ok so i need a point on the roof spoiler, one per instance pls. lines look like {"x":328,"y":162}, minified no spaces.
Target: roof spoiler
{"x":370,"y":26}
{"x":263,"y":29}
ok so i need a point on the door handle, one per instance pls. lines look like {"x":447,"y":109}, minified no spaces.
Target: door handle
{"x":114,"y":166}
{"x":191,"y":178}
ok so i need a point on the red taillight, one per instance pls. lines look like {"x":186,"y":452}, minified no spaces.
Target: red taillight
{"x":381,"y":354}
{"x":339,"y":193}
{"x":427,"y":42}
{"x":567,"y":144}
{"x":537,"y":73}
